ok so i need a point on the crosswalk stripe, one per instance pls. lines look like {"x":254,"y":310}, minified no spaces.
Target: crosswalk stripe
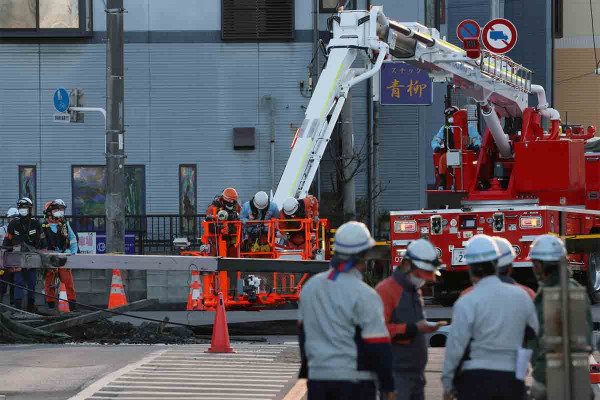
{"x":187,"y":372}
{"x":206,"y":387}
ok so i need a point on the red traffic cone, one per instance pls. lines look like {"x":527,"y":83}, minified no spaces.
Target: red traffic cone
{"x":63,"y":304}
{"x":220,"y":335}
{"x":117,"y":291}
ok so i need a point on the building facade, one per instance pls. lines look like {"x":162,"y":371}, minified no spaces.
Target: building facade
{"x":576,"y":61}
{"x":186,"y":89}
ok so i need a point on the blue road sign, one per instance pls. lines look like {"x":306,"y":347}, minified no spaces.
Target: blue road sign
{"x":468,"y":29}
{"x":61,"y":100}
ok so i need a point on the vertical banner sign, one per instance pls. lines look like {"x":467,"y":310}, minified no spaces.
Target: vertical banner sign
{"x":404,"y":84}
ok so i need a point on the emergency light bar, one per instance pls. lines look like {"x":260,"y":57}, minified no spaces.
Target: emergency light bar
{"x":405,"y":226}
{"x":530,"y":222}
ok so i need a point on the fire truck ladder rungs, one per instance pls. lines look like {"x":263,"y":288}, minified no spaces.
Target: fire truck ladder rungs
{"x":505,"y":70}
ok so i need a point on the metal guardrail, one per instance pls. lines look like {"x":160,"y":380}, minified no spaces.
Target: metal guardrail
{"x":154,"y":233}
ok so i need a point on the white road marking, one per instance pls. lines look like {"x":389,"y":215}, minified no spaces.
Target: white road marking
{"x":186,"y":372}
{"x":96,"y":386}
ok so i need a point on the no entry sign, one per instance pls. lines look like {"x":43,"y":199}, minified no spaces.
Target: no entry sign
{"x":499,"y":35}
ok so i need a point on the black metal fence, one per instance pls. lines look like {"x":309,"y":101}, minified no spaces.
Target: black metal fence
{"x":153,"y":234}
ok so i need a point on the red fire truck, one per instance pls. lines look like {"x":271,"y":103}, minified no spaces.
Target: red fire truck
{"x":525,"y":181}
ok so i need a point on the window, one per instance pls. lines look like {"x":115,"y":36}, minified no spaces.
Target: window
{"x":28,"y":184}
{"x":89,"y":190}
{"x":557,"y":20}
{"x":187,"y":197}
{"x":331,"y":6}
{"x":45,"y":18}
{"x":252,"y":20}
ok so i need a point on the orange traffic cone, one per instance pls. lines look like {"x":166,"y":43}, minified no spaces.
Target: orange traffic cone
{"x":220,"y":335}
{"x":117,"y":291}
{"x":63,"y":304}
{"x":194,"y":298}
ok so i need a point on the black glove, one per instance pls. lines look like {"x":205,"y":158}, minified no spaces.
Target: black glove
{"x":437,"y":150}
{"x":473,"y":147}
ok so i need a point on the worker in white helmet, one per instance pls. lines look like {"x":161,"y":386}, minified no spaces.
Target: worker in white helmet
{"x":303,"y":209}
{"x":260,"y":208}
{"x":403,"y":311}
{"x":504,"y":267}
{"x":6,"y":276}
{"x":489,"y":326}
{"x":548,"y":256}
{"x":344,"y":343}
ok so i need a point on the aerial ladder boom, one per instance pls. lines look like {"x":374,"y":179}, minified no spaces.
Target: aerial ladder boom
{"x":499,"y":84}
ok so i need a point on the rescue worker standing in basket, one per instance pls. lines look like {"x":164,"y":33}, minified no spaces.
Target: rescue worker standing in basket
{"x":405,"y":318}
{"x":306,"y":208}
{"x":344,"y":343}
{"x":224,"y":208}
{"x":258,"y":209}
{"x":6,"y":276}
{"x":548,"y":256}
{"x":60,"y":237}
{"x":489,"y":326}
{"x":445,"y":136}
{"x":28,"y":230}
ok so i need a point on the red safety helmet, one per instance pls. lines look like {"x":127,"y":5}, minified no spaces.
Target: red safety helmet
{"x":230,"y":195}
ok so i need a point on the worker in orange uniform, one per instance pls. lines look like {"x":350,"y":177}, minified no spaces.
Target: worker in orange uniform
{"x":445,"y":136}
{"x":224,"y":208}
{"x":504,"y":267}
{"x":405,"y":317}
{"x":306,"y":208}
{"x":60,"y":237}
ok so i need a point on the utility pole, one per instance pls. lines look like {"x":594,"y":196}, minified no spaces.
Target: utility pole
{"x":348,"y":160}
{"x":494,"y":9}
{"x":115,"y":110}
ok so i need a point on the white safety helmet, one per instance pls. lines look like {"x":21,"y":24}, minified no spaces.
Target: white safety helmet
{"x":547,"y":248}
{"x":352,"y":238}
{"x":12,"y":212}
{"x":261,"y":200}
{"x":423,"y":255}
{"x":507,"y":252}
{"x":290,"y":206}
{"x":480,"y":249}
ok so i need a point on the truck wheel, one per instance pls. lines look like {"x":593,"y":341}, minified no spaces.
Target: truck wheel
{"x":593,"y":277}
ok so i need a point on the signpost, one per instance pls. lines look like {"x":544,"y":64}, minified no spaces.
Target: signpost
{"x":404,"y":84}
{"x":61,"y":100}
{"x":499,"y":36}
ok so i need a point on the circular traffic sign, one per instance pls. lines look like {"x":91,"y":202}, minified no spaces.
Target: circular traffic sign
{"x":468,"y":29}
{"x":499,"y":35}
{"x":61,"y":100}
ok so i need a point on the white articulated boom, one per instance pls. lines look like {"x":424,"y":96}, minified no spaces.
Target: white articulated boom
{"x":495,"y":81}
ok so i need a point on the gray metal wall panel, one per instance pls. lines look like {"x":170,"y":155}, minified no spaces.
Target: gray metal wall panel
{"x":458,"y":10}
{"x":399,"y":158}
{"x":531,"y":49}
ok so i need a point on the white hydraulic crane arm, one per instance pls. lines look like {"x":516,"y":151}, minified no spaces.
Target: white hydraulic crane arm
{"x":354,"y":32}
{"x":495,"y":81}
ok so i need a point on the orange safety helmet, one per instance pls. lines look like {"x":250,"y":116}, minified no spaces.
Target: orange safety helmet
{"x":230,"y":195}
{"x":46,"y":206}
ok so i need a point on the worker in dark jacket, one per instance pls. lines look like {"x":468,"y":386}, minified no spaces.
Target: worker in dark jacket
{"x":405,"y":318}
{"x":547,"y":254}
{"x":224,"y":210}
{"x":344,"y":344}
{"x":28,"y":230}
{"x":60,"y":237}
{"x":6,"y":276}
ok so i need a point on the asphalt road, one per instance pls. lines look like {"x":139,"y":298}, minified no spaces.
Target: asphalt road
{"x":57,"y":372}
